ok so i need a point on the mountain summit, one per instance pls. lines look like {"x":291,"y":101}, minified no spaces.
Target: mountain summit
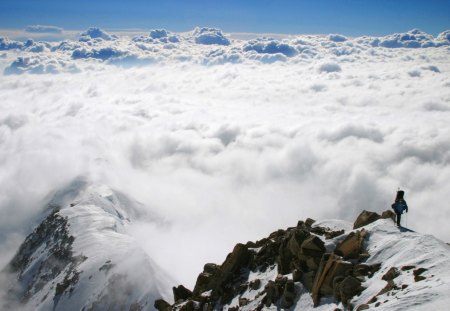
{"x":79,"y":258}
{"x":327,"y":265}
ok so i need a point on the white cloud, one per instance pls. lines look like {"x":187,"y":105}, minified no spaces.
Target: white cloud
{"x":43,"y":29}
{"x":255,"y":140}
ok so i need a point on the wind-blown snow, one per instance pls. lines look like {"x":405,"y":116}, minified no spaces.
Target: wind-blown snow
{"x":227,"y":141}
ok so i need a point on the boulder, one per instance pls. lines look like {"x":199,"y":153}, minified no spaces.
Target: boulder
{"x":272,"y":293}
{"x":238,"y":259}
{"x":331,"y":267}
{"x":162,"y":305}
{"x":365,"y":218}
{"x":352,"y":245}
{"x":418,"y":274}
{"x":388,"y":214}
{"x":309,"y":222}
{"x":391,"y":274}
{"x":363,"y":270}
{"x":288,"y":296}
{"x":181,"y":293}
{"x":313,"y":246}
{"x":348,"y":288}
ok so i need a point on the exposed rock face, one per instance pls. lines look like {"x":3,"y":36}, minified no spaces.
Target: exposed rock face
{"x":297,"y":251}
{"x":352,"y":246}
{"x":52,"y":233}
{"x":365,"y":218}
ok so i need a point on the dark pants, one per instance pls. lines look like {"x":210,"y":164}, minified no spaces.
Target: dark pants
{"x":399,"y":216}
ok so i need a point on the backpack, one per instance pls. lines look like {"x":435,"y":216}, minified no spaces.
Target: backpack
{"x":399,"y":206}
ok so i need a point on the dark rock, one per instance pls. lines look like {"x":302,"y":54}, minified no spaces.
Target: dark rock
{"x":388,"y":214}
{"x":361,"y":270}
{"x":407,"y":268}
{"x":352,"y":246}
{"x":181,"y":293}
{"x":333,"y":234}
{"x":255,"y":284}
{"x":404,"y":286}
{"x":272,"y":293}
{"x":391,"y":274}
{"x":331,"y":266}
{"x":309,"y":222}
{"x":297,"y":275}
{"x":418,"y":274}
{"x":243,"y":302}
{"x":162,"y":305}
{"x":238,"y":259}
{"x":389,"y":287}
{"x":308,"y":279}
{"x":313,"y":246}
{"x":288,"y":296}
{"x":365,"y":218}
{"x":349,"y":288}
{"x":364,"y":306}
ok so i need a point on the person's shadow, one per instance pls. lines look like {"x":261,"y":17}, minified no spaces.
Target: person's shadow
{"x":403,"y":229}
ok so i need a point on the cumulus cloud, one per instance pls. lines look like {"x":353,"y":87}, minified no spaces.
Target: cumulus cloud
{"x":96,"y":33}
{"x":411,"y":39}
{"x":209,"y":36}
{"x":210,"y":138}
{"x":43,"y":29}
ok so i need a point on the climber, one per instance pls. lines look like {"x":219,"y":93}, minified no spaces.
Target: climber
{"x":399,"y":205}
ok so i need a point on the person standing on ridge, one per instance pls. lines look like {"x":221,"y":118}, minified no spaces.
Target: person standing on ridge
{"x":399,"y":205}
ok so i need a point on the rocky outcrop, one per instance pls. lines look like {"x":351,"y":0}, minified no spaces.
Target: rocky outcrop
{"x":299,"y":255}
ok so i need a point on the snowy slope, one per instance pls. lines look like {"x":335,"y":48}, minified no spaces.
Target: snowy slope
{"x":79,"y":258}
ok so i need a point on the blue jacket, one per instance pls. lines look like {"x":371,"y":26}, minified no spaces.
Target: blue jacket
{"x":400,"y":206}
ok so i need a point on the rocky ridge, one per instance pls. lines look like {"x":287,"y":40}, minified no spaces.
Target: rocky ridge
{"x":328,"y":265}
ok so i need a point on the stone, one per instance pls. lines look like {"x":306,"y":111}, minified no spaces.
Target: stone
{"x":388,"y":214}
{"x":255,"y":284}
{"x":272,"y":293}
{"x":331,"y":266}
{"x":417,"y":274}
{"x":243,"y":302}
{"x":349,"y":288}
{"x":296,"y":240}
{"x":364,"y":306}
{"x":352,"y":246}
{"x":181,"y":293}
{"x":408,"y":267}
{"x":333,"y":234}
{"x":308,"y":279}
{"x":313,"y":246}
{"x":162,"y":305}
{"x":238,"y":259}
{"x":288,"y":296}
{"x":297,"y":275}
{"x":362,"y":270}
{"x":391,"y":274}
{"x":309,"y":222}
{"x":365,"y":218}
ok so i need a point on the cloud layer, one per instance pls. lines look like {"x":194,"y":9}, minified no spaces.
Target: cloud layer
{"x":227,"y":139}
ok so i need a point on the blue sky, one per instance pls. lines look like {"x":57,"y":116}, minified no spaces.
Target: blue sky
{"x":350,"y":17}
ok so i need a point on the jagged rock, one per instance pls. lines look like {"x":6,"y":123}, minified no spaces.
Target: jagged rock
{"x":243,"y":302}
{"x":309,"y":222}
{"x":181,"y":293}
{"x":272,"y":293}
{"x":349,"y":288}
{"x":362,"y":270}
{"x":352,"y":245}
{"x":162,"y":305}
{"x":296,"y":239}
{"x":288,"y":296}
{"x":297,"y":275}
{"x":238,"y":259}
{"x":391,"y":274}
{"x":417,"y":274}
{"x":255,"y":284}
{"x":313,"y":246}
{"x":388,"y":214}
{"x":365,"y":218}
{"x":332,"y":234}
{"x":407,"y":267}
{"x":308,"y":279}
{"x":364,"y":306}
{"x":331,"y":266}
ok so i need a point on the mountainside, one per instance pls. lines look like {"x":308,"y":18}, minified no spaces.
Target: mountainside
{"x":78,"y":257}
{"x":327,"y":265}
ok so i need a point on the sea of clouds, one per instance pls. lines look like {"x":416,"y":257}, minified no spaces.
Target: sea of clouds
{"x":225,"y":139}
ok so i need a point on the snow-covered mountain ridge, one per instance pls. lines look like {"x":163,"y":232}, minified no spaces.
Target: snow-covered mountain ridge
{"x":327,"y":265}
{"x":79,"y":258}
